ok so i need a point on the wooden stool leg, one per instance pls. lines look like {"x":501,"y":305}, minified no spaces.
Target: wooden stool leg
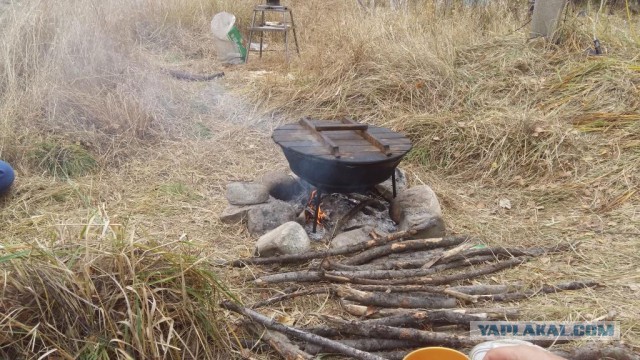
{"x":253,"y":23}
{"x":293,"y":27}
{"x":286,"y":36}
{"x":286,"y":45}
{"x":261,"y":35}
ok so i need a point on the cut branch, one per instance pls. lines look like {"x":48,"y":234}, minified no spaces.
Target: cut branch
{"x":546,"y":289}
{"x":356,"y":276}
{"x":312,"y":338}
{"x":343,"y":250}
{"x":283,"y":297}
{"x":511,"y":252}
{"x":420,"y":319}
{"x":394,"y":300}
{"x":280,"y":343}
{"x":368,"y":345}
{"x":395,"y":274}
{"x":446,"y":279}
{"x":388,"y":332}
{"x":409,"y":245}
{"x":369,"y":312}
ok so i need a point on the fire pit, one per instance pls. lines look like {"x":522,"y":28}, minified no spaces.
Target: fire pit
{"x":341,"y":156}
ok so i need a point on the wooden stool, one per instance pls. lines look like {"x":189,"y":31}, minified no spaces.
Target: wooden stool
{"x":283,"y":27}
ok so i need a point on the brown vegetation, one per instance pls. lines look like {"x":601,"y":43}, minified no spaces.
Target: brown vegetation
{"x":121,"y":168}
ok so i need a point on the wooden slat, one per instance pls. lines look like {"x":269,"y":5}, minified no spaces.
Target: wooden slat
{"x":346,"y":140}
{"x":338,"y":127}
{"x":333,"y":147}
{"x":335,"y":135}
{"x":380,"y":144}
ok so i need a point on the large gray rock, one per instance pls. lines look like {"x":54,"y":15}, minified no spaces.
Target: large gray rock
{"x":288,"y":238}
{"x":416,"y":206}
{"x":283,"y":186}
{"x":264,"y":217}
{"x":242,"y":193}
{"x":352,"y":237}
{"x":233,"y":214}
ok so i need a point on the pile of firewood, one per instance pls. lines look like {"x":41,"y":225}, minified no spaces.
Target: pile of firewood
{"x":401,"y":303}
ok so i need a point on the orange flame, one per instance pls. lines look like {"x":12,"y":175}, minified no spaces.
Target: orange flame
{"x":310,"y":210}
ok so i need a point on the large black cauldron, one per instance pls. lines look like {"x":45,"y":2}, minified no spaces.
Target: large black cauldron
{"x":341,"y":157}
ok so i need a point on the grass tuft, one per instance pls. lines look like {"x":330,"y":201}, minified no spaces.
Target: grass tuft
{"x":64,"y":161}
{"x":109,"y":296}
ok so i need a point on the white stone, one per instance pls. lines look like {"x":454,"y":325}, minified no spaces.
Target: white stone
{"x":416,"y":206}
{"x":264,"y":217}
{"x":288,"y":238}
{"x":241,"y":193}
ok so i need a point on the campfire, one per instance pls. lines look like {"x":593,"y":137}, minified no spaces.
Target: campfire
{"x":310,"y":211}
{"x":390,"y":266}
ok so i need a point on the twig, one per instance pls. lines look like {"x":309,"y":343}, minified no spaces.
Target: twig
{"x":409,"y":245}
{"x":446,"y":279}
{"x":312,"y":338}
{"x":390,"y":264}
{"x":511,"y":252}
{"x":280,"y":343}
{"x":420,"y":319}
{"x":368,"y":345}
{"x":546,"y":289}
{"x":283,"y":297}
{"x":393,"y":300}
{"x":597,"y":352}
{"x":343,"y":250}
{"x":358,"y":277}
{"x":369,"y":312}
{"x":389,"y":332}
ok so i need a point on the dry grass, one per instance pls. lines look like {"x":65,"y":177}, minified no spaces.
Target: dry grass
{"x":491,"y":116}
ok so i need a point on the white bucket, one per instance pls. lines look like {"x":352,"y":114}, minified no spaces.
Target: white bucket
{"x":227,"y":39}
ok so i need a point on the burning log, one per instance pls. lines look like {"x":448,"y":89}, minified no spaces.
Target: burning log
{"x":394,"y":300}
{"x":409,"y":245}
{"x":343,"y":250}
{"x":312,"y":338}
{"x":422,"y":337}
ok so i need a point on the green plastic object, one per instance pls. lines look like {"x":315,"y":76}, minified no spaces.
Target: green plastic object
{"x":235,"y":36}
